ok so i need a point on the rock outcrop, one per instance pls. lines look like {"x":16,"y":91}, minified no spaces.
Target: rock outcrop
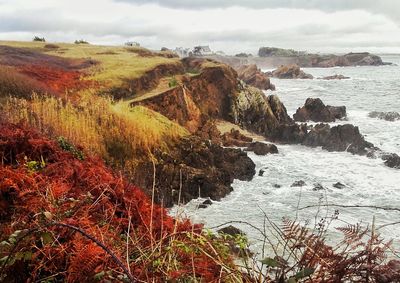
{"x":261,"y":148}
{"x":253,"y":76}
{"x":339,"y":138}
{"x":388,"y":116}
{"x":392,"y":160}
{"x":235,"y":138}
{"x":292,"y":71}
{"x":315,"y":110}
{"x":197,"y":168}
{"x":254,"y":111}
{"x":335,"y":77}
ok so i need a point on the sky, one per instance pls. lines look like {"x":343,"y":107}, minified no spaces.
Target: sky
{"x":231,"y":26}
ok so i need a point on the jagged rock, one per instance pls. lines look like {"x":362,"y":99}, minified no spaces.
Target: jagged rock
{"x":253,"y":76}
{"x":231,"y":230}
{"x":339,"y":185}
{"x":261,"y":148}
{"x":388,"y":116}
{"x":318,"y":187}
{"x":335,"y":77}
{"x":205,"y":203}
{"x":197,"y":167}
{"x":339,"y":138}
{"x":392,"y":160}
{"x":289,"y":72}
{"x":261,"y":172}
{"x":253,"y":111}
{"x":299,"y":183}
{"x":235,"y":138}
{"x":315,"y":110}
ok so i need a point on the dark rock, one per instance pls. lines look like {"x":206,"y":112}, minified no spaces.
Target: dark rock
{"x":205,"y":203}
{"x":388,"y":116}
{"x":289,"y":72}
{"x":253,"y":76}
{"x":197,"y":167}
{"x":318,"y":187}
{"x":235,"y":138}
{"x":335,"y":77}
{"x":261,"y":172}
{"x":392,"y":160}
{"x":299,"y":183}
{"x":231,"y":230}
{"x":277,"y":186}
{"x":261,"y":148}
{"x":315,"y":110}
{"x":339,"y":185}
{"x":339,"y":138}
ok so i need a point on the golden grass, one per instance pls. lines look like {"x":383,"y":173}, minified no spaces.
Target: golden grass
{"x":117,"y":63}
{"x":114,"y":131}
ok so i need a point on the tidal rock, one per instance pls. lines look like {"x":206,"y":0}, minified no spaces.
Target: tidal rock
{"x":261,"y":148}
{"x":318,"y":187}
{"x":339,"y":185}
{"x":231,"y":230}
{"x":335,"y":77}
{"x":253,"y":76}
{"x":388,"y":116}
{"x":339,"y":138}
{"x":289,"y":72}
{"x":205,"y":203}
{"x":299,"y":183}
{"x":315,"y":110}
{"x":392,"y":160}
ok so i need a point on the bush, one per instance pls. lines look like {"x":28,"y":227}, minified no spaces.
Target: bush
{"x":173,"y":82}
{"x":39,"y":39}
{"x":81,"y":41}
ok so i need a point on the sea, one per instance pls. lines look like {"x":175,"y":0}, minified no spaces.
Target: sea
{"x":257,"y":206}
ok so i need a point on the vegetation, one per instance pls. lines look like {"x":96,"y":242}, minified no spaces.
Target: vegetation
{"x":39,"y":39}
{"x":119,"y":134}
{"x":279,"y":52}
{"x":173,"y":82}
{"x":71,"y":220}
{"x":81,"y":41}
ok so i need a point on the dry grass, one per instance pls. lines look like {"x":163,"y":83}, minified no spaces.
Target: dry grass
{"x":114,"y":131}
{"x":117,"y":63}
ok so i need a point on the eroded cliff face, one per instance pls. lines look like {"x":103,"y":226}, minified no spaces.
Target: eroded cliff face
{"x":194,"y":168}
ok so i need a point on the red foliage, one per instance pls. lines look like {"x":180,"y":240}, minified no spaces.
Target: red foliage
{"x":57,"y":79}
{"x":88,"y":195}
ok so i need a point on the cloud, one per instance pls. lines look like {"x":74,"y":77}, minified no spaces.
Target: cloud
{"x":232,"y":29}
{"x":390,"y":8}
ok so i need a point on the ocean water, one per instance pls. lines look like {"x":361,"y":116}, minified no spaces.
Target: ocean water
{"x":367,"y":181}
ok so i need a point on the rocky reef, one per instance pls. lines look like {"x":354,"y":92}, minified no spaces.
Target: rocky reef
{"x":335,"y":77}
{"x":315,"y":110}
{"x":292,"y":71}
{"x":388,"y":116}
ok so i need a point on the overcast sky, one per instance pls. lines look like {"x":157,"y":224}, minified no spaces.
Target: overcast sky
{"x":229,"y":25}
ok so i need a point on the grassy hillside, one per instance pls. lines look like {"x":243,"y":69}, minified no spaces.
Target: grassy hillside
{"x":81,"y":75}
